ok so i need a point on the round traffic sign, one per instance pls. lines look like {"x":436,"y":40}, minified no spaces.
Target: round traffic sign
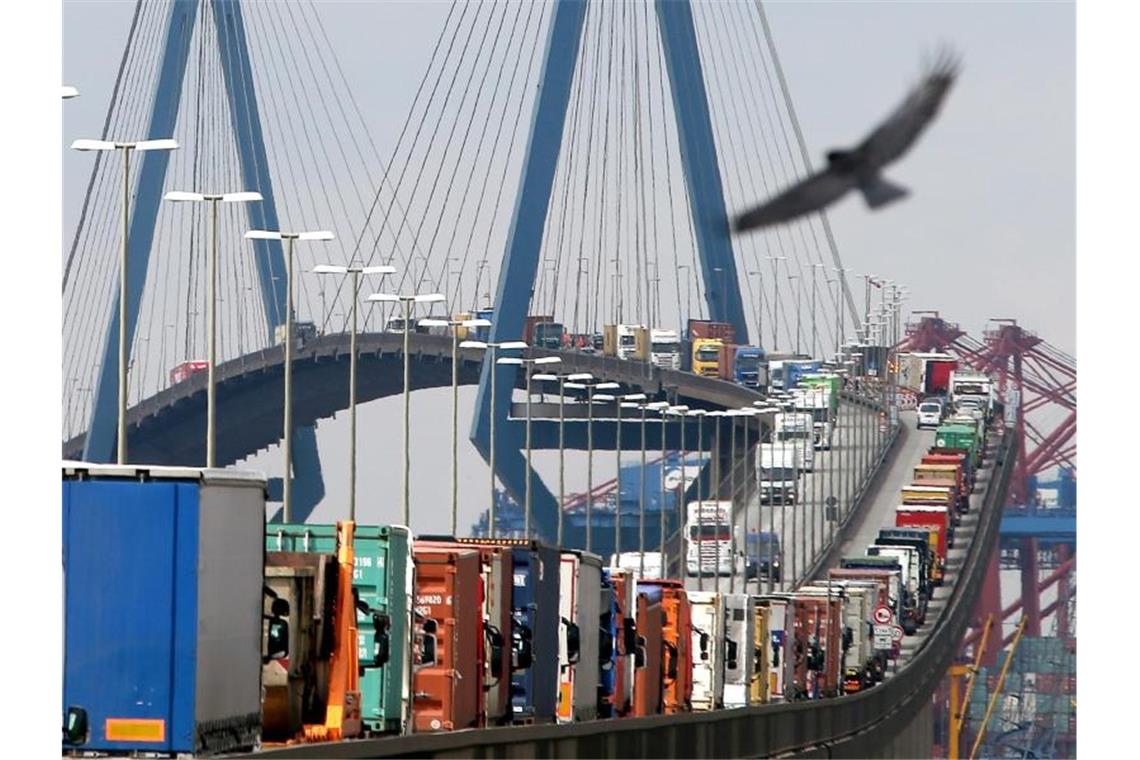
{"x":896,"y":633}
{"x":883,"y":614}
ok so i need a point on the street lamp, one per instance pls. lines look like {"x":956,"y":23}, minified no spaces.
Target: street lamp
{"x":776,"y":292}
{"x":508,"y":345}
{"x":211,"y":302}
{"x":407,"y":301}
{"x":355,"y":270}
{"x":590,"y":386}
{"x":287,"y":433}
{"x":654,"y":406}
{"x":795,"y":280}
{"x":126,"y":148}
{"x":529,"y":364}
{"x":700,"y":415}
{"x":561,"y":380}
{"x":627,"y":401}
{"x":453,"y":325}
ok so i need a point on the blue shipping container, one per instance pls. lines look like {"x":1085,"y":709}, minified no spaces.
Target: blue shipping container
{"x":163,"y":575}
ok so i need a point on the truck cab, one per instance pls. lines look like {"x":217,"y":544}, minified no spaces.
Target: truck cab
{"x":549,"y":335}
{"x":778,"y":473}
{"x":750,"y":369}
{"x":762,"y":555}
{"x":708,"y":538}
{"x":816,"y":401}
{"x":796,"y":430}
{"x":706,"y":356}
{"x":665,"y":349}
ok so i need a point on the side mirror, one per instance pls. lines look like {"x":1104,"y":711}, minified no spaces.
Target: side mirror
{"x":276,"y":640}
{"x":704,"y":646}
{"x":279,"y":607}
{"x":523,"y":649}
{"x":428,"y":647}
{"x":639,"y":653}
{"x":75,"y":726}
{"x":605,"y":646}
{"x":630,"y":637}
{"x":731,"y":649}
{"x":573,"y":642}
{"x":671,"y":666}
{"x":495,"y":645}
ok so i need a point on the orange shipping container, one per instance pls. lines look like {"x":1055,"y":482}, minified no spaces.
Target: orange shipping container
{"x":447,"y":680}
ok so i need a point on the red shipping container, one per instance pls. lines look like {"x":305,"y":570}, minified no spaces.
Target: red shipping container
{"x":531,"y":321}
{"x":937,"y":518}
{"x":727,"y":364}
{"x":647,"y":677}
{"x":938,"y":375}
{"x":186,"y":369}
{"x":447,"y":679}
{"x":818,"y":621}
{"x":703,"y":328}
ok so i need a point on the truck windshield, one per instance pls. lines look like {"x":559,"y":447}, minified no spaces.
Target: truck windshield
{"x":627,"y":340}
{"x":708,"y":353}
{"x":820,"y":415}
{"x":747,"y":362}
{"x":666,"y":348}
{"x":710,"y":532}
{"x":777,"y":473}
{"x":793,"y":435}
{"x":970,"y":389}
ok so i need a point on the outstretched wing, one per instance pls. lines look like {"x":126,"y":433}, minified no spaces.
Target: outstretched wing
{"x":807,"y":196}
{"x":898,"y":133}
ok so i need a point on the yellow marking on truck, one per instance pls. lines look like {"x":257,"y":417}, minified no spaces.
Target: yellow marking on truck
{"x":135,"y":729}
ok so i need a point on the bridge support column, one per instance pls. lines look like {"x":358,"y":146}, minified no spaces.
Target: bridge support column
{"x":1030,"y":598}
{"x":989,"y":603}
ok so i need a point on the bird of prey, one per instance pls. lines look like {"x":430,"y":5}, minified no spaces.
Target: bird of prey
{"x":860,"y":167}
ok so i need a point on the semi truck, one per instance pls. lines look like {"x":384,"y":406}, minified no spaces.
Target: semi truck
{"x":973,"y":386}
{"x":797,"y":431}
{"x":779,"y":473}
{"x":726,"y":362}
{"x":703,"y":328}
{"x":665,"y":349}
{"x":541,"y":331}
{"x":706,"y":357}
{"x":708,"y":538}
{"x":708,"y":646}
{"x":739,"y":653}
{"x":785,"y":374}
{"x":816,"y":402}
{"x":626,"y":341}
{"x":749,"y":367}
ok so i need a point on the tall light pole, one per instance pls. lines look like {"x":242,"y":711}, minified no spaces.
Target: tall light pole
{"x":814,"y":330}
{"x":528,"y":365}
{"x":453,"y":325}
{"x":759,"y":306}
{"x":776,"y":292}
{"x":715,"y":484}
{"x":506,"y":345}
{"x":628,"y":401}
{"x":287,"y":427}
{"x":590,"y":386}
{"x":407,"y":302}
{"x":688,"y":295}
{"x":700,"y":415}
{"x":212,"y":302}
{"x":561,"y":380}
{"x":355,"y":270}
{"x":653,"y":406}
{"x":794,"y":279}
{"x":126,"y":148}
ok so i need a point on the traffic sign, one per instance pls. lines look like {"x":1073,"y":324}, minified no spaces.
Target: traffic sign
{"x":883,"y":638}
{"x":896,"y":633}
{"x":883,"y":615}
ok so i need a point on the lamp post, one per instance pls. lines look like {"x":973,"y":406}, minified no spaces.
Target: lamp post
{"x":529,"y":364}
{"x":590,"y":386}
{"x":126,"y":148}
{"x":407,"y":302}
{"x":715,"y":484}
{"x":507,"y":345}
{"x":794,"y":279}
{"x":776,"y":308}
{"x":627,"y":401}
{"x":688,"y":294}
{"x":653,"y":406}
{"x":355,"y":270}
{"x":700,"y":415}
{"x":759,"y":306}
{"x":287,"y":431}
{"x":680,"y":411}
{"x":561,"y":380}
{"x":453,"y":325}
{"x":212,"y":303}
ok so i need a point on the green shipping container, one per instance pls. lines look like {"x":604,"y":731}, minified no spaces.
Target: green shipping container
{"x":383,"y":581}
{"x":959,"y":437}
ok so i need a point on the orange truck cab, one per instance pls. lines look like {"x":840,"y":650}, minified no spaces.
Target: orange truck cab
{"x":648,"y":661}
{"x":676,"y":647}
{"x":447,"y":656}
{"x":819,"y":623}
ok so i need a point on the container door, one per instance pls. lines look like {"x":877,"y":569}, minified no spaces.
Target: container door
{"x":130,"y":554}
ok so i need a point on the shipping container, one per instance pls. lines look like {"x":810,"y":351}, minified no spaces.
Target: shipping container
{"x":383,"y":582}
{"x":649,"y":679}
{"x":529,"y":325}
{"x":534,"y":606}
{"x":739,"y":655}
{"x":937,"y":379}
{"x":186,"y":369}
{"x":761,"y":652}
{"x":579,"y":588}
{"x":819,"y":619}
{"x":447,"y":680}
{"x":726,"y":363}
{"x":708,"y":648}
{"x":163,"y":577}
{"x":703,"y":328}
{"x":497,"y":573}
{"x":937,"y":455}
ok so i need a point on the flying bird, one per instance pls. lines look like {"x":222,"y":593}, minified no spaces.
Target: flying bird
{"x":861,"y":166}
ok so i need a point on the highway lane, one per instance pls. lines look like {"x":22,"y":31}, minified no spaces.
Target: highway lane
{"x":803,"y":525}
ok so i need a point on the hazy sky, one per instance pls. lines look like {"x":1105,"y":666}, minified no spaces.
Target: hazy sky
{"x":989,"y":230}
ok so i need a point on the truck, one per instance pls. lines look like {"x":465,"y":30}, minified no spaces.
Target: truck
{"x":626,"y":341}
{"x":944,"y":475}
{"x":914,"y":590}
{"x":958,"y":459}
{"x":665,"y":349}
{"x":975,"y":386}
{"x":750,"y":369}
{"x":931,"y":495}
{"x":648,"y":680}
{"x":961,"y":437}
{"x":708,"y":538}
{"x":785,"y":374}
{"x":706,"y":357}
{"x":676,"y":647}
{"x":762,"y":555}
{"x":936,"y":377}
{"x":303,"y":332}
{"x":927,"y":374}
{"x":817,"y":631}
{"x":739,"y":655}
{"x":797,"y":431}
{"x":829,"y":380}
{"x":779,"y":473}
{"x":708,"y":646}
{"x":779,"y":658}
{"x":580,"y":581}
{"x":858,"y":665}
{"x":817,"y":402}
{"x":932,"y":518}
{"x":921,"y":539}
{"x":187,"y":369}
{"x":703,"y":328}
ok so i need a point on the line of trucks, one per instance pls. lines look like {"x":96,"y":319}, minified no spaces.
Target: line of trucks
{"x":192,"y":626}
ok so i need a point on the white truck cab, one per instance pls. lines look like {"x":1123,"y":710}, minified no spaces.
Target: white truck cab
{"x":797,"y":431}
{"x":665,"y":349}
{"x":779,"y":473}
{"x":708,"y":649}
